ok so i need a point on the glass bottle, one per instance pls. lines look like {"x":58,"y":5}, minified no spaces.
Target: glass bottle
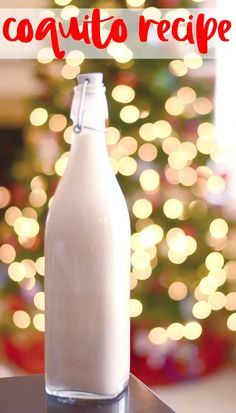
{"x":87,"y":263}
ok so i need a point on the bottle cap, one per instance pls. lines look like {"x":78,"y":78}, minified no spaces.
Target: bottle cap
{"x":93,"y":78}
{"x":88,"y":82}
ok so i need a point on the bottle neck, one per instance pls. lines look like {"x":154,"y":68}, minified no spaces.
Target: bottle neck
{"x":89,"y":111}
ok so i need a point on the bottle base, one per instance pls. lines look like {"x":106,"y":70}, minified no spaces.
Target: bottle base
{"x":70,"y":396}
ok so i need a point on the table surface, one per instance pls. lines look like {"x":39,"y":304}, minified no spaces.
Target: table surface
{"x":26,"y":395}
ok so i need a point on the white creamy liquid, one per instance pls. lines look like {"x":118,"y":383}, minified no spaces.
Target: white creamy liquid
{"x":87,"y":252}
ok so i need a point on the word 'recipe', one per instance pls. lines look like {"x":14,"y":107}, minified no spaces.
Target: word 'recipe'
{"x":198,"y":30}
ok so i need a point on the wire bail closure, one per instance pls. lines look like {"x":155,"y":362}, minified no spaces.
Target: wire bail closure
{"x":79,"y":126}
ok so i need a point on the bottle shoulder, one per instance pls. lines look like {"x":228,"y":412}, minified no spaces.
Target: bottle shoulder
{"x":89,"y":184}
{"x":80,"y":200}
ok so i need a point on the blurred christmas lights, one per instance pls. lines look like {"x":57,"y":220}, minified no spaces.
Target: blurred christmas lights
{"x":151,"y":241}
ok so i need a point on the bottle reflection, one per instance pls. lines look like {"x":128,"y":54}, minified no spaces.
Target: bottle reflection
{"x":120,"y":405}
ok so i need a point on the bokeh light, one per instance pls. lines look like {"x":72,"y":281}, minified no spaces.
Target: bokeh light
{"x":70,"y":72}
{"x":38,"y":116}
{"x":149,"y":180}
{"x":231,"y":322}
{"x":177,"y":291}
{"x":214,"y":260}
{"x":175,"y":331}
{"x":11,"y":214}
{"x":16,"y":271}
{"x":178,"y":68}
{"x":150,"y":236}
{"x":142,"y":208}
{"x":21,"y":319}
{"x":187,"y":95}
{"x":230,"y":301}
{"x":127,"y":166}
{"x":5,"y":197}
{"x":217,"y":301}
{"x":158,"y":335}
{"x":57,"y":122}
{"x":26,"y":227}
{"x":219,"y":228}
{"x":136,"y":308}
{"x":45,"y":55}
{"x":123,"y":93}
{"x":129,"y":114}
{"x":40,"y":265}
{"x":192,"y":330}
{"x":140,"y":259}
{"x":173,"y":208}
{"x":135,"y":3}
{"x":148,"y":152}
{"x":66,"y":13}
{"x":174,"y":106}
{"x":201,"y":310}
{"x":75,"y":57}
{"x":112,"y":136}
{"x":7,"y":253}
{"x":39,"y":300}
{"x":39,"y":322}
{"x":37,"y":197}
{"x":193,"y":60}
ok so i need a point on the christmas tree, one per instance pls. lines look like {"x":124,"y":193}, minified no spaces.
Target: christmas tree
{"x":161,"y":145}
